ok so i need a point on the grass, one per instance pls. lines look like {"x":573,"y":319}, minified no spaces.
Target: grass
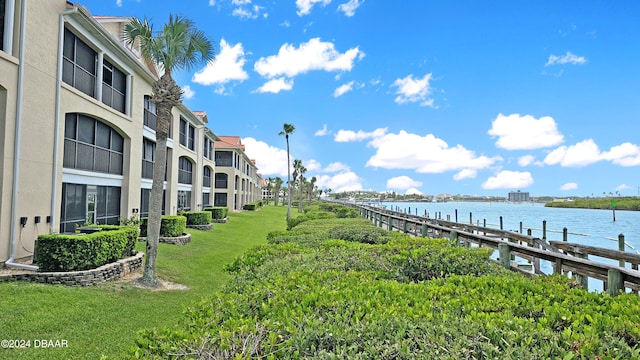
{"x":102,"y":321}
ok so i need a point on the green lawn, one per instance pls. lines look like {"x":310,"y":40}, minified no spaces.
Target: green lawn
{"x":102,"y":321}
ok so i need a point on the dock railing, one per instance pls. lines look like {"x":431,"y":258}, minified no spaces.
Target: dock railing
{"x":566,"y":258}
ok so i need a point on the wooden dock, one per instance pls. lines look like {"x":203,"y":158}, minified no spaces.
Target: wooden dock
{"x":566,"y":258}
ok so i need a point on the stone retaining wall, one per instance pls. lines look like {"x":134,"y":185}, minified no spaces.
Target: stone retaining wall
{"x":184,"y":239}
{"x":201,"y":227}
{"x":108,"y":272}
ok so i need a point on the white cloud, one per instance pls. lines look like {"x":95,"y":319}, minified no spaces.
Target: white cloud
{"x":212,"y":2}
{"x":517,"y":132}
{"x":187,"y":92}
{"x":312,"y":165}
{"x":270,"y":160}
{"x":569,"y":186}
{"x":118,"y":3}
{"x":276,"y":85}
{"x":349,"y":8}
{"x":226,"y":67}
{"x":304,"y":6}
{"x":402,"y":183}
{"x":626,"y":154}
{"x":413,"y":191}
{"x":465,"y":174}
{"x":344,"y":181}
{"x":312,"y":55}
{"x":425,"y":154}
{"x":567,"y":58}
{"x":248,"y":12}
{"x":323,"y":131}
{"x":336,"y":167}
{"x":622,"y":187}
{"x":412,"y":90}
{"x":343,"y":89}
{"x":350,"y":135}
{"x":508,"y":180}
{"x":581,"y":154}
{"x":526,"y":160}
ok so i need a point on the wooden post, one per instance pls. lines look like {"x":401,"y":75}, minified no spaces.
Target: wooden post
{"x":544,"y":230}
{"x":389,"y":223}
{"x":582,"y":279}
{"x":456,"y":215}
{"x":565,"y":234}
{"x":424,"y":230}
{"x":470,"y":218}
{"x":621,"y":248}
{"x":404,"y":225}
{"x":505,"y":256}
{"x":521,"y":227}
{"x":616,"y":284}
{"x":501,"y":223}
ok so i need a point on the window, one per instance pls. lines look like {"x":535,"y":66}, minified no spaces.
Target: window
{"x":221,"y":180}
{"x":79,"y":68}
{"x":92,"y":145}
{"x":187,"y":134}
{"x":206,"y":200}
{"x":114,"y":86}
{"x":184,"y":200}
{"x":206,"y":177}
{"x":208,"y":148}
{"x":89,"y":203}
{"x":185,"y":171}
{"x":148,"y":155}
{"x":220,"y":199}
{"x":224,"y":158}
{"x":145,"y":195}
{"x":2,"y":15}
{"x":150,"y":113}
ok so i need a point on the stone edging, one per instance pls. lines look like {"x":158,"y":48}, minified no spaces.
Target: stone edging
{"x":108,"y":272}
{"x":184,"y":239}
{"x":219,"y":220}
{"x":201,"y":227}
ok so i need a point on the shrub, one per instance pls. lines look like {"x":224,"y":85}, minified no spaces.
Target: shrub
{"x":65,"y":252}
{"x":218,"y":212}
{"x":367,"y":234}
{"x":311,"y":215}
{"x":198,"y":217}
{"x":171,"y":226}
{"x":250,"y":207}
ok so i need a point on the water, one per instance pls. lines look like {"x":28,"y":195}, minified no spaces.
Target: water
{"x":585,"y":226}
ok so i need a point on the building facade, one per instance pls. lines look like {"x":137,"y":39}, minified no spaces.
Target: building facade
{"x":237,"y":181}
{"x":518,"y":196}
{"x":77,"y":128}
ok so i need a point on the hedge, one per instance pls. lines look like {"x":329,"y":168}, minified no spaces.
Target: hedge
{"x":171,"y":226}
{"x":218,"y":212}
{"x":198,"y":217}
{"x":74,"y":252}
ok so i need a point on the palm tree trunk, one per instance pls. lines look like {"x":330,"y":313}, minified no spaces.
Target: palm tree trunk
{"x":149,"y":276}
{"x":288,"y":179}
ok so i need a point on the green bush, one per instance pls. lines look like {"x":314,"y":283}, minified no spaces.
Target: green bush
{"x":66,"y":252}
{"x":198,"y":217}
{"x":218,"y":212}
{"x":250,"y":207}
{"x":311,"y":215}
{"x":170,"y":226}
{"x":367,"y":234}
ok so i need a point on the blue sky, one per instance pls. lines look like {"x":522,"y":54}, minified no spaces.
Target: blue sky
{"x":415,"y":96}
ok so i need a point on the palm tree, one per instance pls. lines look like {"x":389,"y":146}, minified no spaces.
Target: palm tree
{"x":286,"y":130}
{"x":278,"y":185}
{"x":178,"y":46}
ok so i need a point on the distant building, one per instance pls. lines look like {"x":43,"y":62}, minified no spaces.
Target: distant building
{"x":518,"y":196}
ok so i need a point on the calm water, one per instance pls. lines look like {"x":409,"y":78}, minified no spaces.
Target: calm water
{"x":585,"y":226}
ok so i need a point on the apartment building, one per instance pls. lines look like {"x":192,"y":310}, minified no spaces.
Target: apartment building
{"x":77,"y":128}
{"x":237,"y":181}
